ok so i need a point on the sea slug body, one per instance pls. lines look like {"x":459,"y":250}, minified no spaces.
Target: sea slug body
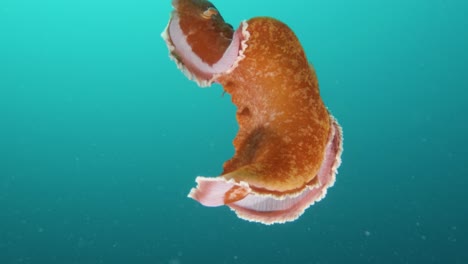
{"x":288,"y":146}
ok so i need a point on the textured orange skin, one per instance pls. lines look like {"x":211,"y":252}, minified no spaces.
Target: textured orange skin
{"x":209,"y":37}
{"x":283,"y":123}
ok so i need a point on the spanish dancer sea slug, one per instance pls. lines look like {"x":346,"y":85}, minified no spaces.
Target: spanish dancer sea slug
{"x":288,"y":147}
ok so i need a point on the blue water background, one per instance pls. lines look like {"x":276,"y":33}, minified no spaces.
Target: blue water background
{"x":101,"y":136}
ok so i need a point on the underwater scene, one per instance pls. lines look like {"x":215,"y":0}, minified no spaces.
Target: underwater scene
{"x":188,"y":131}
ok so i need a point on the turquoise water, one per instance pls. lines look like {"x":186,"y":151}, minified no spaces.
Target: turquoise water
{"x":101,"y":136}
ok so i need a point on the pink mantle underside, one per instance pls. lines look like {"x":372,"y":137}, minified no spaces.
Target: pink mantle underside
{"x":273,"y":208}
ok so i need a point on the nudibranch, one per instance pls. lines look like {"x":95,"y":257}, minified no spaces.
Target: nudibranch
{"x":288,"y":147}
